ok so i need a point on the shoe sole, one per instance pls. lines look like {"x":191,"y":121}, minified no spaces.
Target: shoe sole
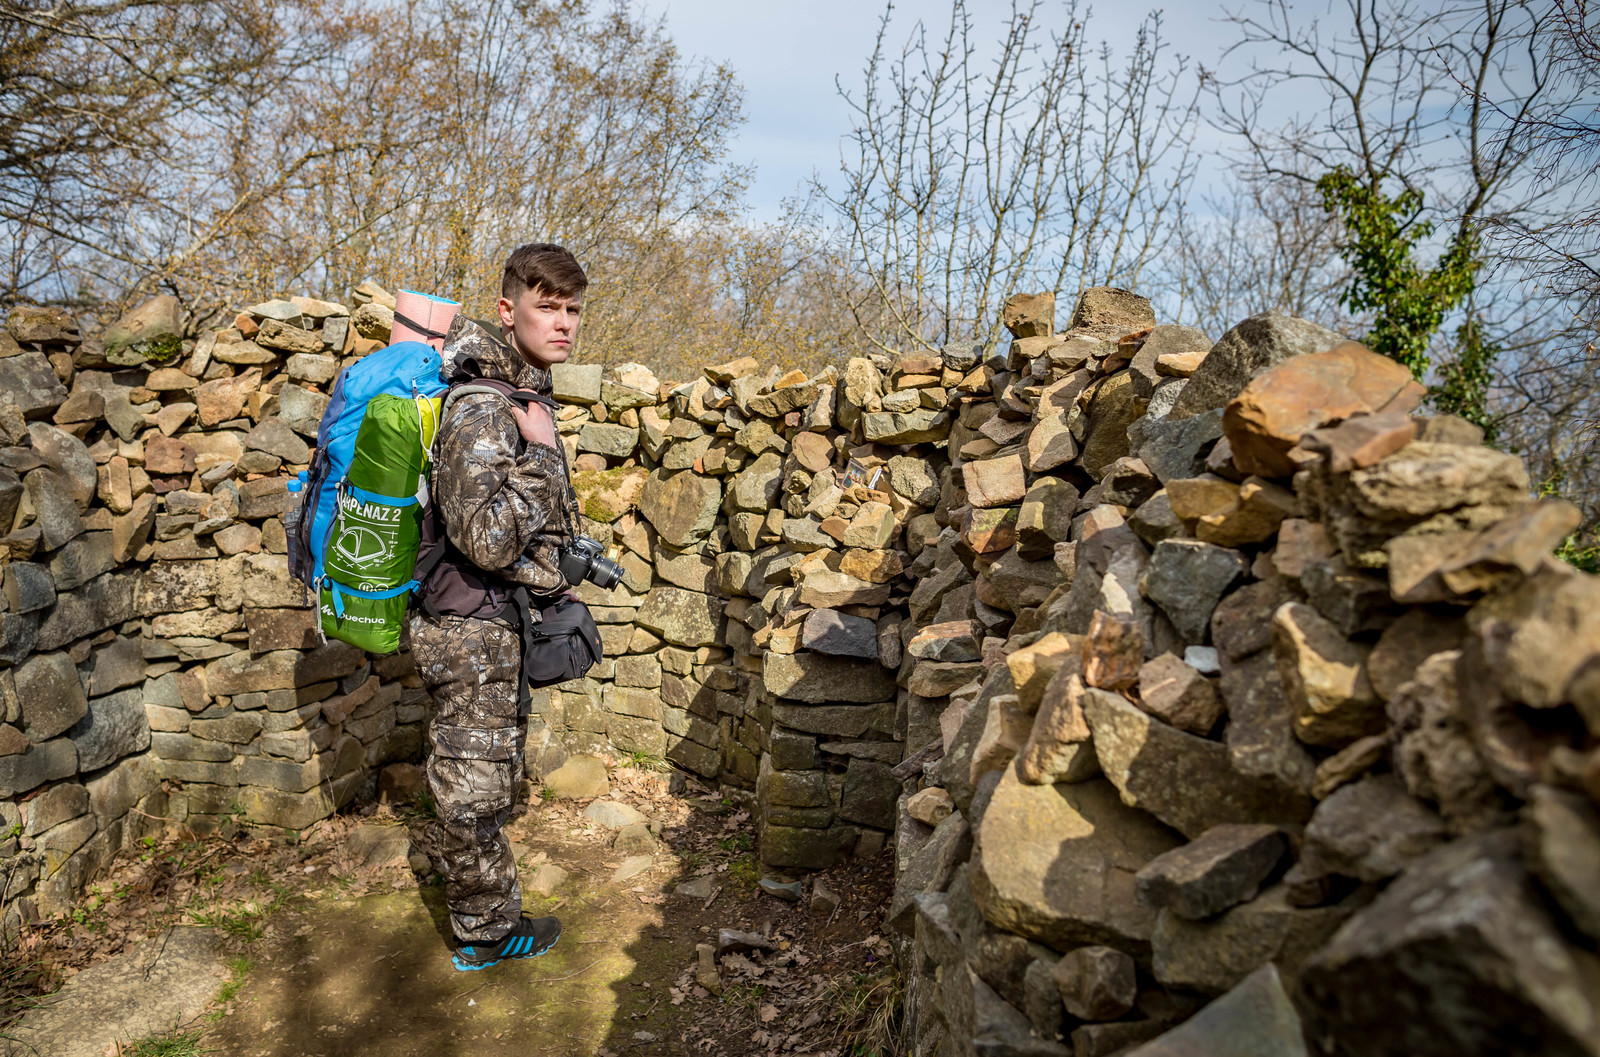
{"x":472,"y":967}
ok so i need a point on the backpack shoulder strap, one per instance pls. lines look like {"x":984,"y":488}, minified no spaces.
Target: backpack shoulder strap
{"x":522,"y":397}
{"x":479,"y":386}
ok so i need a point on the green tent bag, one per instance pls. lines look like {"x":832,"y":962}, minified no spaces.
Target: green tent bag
{"x":377,"y":524}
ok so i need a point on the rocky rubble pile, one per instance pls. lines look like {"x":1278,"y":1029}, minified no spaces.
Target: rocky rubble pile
{"x":1240,"y":676}
{"x":157,"y":665}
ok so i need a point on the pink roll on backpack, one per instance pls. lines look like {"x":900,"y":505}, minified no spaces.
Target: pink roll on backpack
{"x":422,"y":317}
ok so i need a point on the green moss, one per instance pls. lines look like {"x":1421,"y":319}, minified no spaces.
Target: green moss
{"x":745,"y":872}
{"x":599,"y":492}
{"x":160,"y":350}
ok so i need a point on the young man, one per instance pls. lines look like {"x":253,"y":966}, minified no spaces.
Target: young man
{"x":500,"y":494}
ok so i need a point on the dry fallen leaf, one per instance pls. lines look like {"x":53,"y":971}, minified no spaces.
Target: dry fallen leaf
{"x":769,"y":1013}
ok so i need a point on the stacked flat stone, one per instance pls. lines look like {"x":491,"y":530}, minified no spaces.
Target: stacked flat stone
{"x":1251,"y":680}
{"x":157,"y":665}
{"x":755,"y":637}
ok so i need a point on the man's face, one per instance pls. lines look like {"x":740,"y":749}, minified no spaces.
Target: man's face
{"x":543,"y":325}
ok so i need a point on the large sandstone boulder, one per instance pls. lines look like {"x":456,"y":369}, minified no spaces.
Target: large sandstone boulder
{"x":1254,"y":1019}
{"x":50,"y":694}
{"x":1056,"y":863}
{"x":1434,"y":752}
{"x":1168,"y":351}
{"x":1187,"y":578}
{"x":684,"y":618}
{"x":28,"y":383}
{"x":1285,"y":402}
{"x":1214,"y":955}
{"x":755,"y":489}
{"x":1424,"y":479}
{"x":114,"y":727}
{"x":1249,"y":348}
{"x":1223,"y":868}
{"x":1110,"y":306}
{"x":918,"y":426}
{"x":606,"y":495}
{"x":1030,"y":315}
{"x":682,"y":506}
{"x":819,"y":677}
{"x":1050,"y":441}
{"x":604,"y":438}
{"x":151,"y":332}
{"x":1459,"y":955}
{"x":1551,"y":648}
{"x":1112,"y":410}
{"x":1369,"y":830}
{"x":1171,"y":446}
{"x":1325,"y":677}
{"x":69,"y":457}
{"x":631,"y":385}
{"x":577,"y":383}
{"x":1563,"y":848}
{"x":861,"y":392}
{"x":1187,"y":782}
{"x":42,"y":325}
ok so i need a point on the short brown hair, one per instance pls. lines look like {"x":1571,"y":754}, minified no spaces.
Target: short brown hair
{"x":542,"y":266}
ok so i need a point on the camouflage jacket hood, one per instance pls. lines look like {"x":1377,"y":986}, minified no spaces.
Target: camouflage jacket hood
{"x":474,"y":349}
{"x":502,"y":501}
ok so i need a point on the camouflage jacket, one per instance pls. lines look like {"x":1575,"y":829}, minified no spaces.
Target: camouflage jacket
{"x":502,"y":500}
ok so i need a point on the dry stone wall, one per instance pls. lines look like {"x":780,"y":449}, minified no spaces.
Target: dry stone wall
{"x":157,"y":665}
{"x":1264,"y":722}
{"x":1212,"y":697}
{"x":160,"y":668}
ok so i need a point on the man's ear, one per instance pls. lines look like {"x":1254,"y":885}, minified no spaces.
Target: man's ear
{"x":505,"y":308}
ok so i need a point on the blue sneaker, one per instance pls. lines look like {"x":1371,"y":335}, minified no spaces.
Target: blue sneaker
{"x":530,"y":938}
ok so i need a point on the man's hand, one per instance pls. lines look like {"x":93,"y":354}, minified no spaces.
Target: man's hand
{"x":535,"y":424}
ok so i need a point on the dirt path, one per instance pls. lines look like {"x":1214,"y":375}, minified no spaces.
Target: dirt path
{"x":341,"y":946}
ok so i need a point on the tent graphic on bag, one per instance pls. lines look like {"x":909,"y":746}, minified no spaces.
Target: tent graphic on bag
{"x":361,"y":545}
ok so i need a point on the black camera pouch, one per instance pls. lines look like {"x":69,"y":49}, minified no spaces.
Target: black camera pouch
{"x":563,"y":645}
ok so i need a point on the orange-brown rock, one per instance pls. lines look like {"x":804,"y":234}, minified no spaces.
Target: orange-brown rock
{"x":1030,"y":315}
{"x":1308,"y":392}
{"x":812,"y":451}
{"x":223,"y":398}
{"x":164,"y":456}
{"x":991,"y":530}
{"x":995,"y":482}
{"x":1113,"y":653}
{"x":1360,"y":442}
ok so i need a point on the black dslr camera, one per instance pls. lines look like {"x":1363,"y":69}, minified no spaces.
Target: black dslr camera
{"x":585,"y":559}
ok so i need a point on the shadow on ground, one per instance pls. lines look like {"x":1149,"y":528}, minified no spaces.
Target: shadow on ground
{"x":344,"y":976}
{"x":373,"y":974}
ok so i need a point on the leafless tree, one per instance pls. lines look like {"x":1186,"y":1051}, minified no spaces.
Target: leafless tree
{"x":1552,"y":398}
{"x":1254,"y":243}
{"x":1049,"y":164}
{"x":1487,"y":108}
{"x":1397,"y":94}
{"x":91,"y":93}
{"x":225,"y":152}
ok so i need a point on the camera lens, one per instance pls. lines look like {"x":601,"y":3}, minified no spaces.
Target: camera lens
{"x":604,"y":573}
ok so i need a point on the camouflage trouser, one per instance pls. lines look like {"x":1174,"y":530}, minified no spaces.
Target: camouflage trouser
{"x":472,"y":668}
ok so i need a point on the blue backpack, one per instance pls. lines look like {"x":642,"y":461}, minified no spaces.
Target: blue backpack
{"x":356,"y":515}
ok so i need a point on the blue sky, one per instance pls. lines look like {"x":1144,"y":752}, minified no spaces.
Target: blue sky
{"x":787,"y":55}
